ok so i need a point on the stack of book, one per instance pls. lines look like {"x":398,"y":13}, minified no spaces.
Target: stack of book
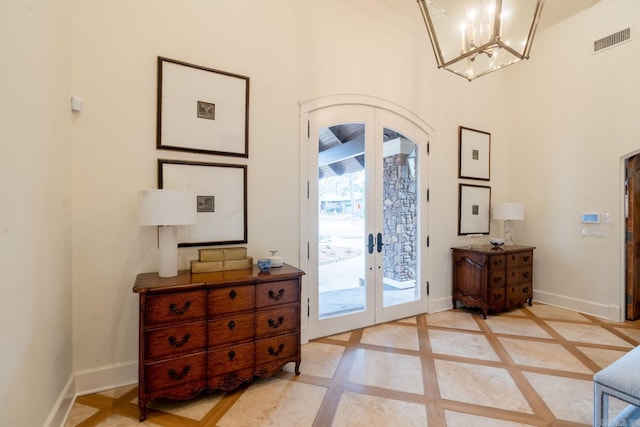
{"x":221,"y":259}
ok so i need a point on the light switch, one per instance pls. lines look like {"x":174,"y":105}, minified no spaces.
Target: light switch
{"x":76,"y":103}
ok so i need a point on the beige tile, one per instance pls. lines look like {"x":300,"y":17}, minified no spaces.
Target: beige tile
{"x":542,"y":355}
{"x":461,"y":344}
{"x":271,"y":402}
{"x":372,"y":411}
{"x":480,"y":385}
{"x":551,"y":312}
{"x":587,"y":334}
{"x":318,"y":359}
{"x":412,"y":320}
{"x":195,"y":409}
{"x":601,"y":356}
{"x":514,"y":326}
{"x":392,"y":336}
{"x":341,"y":337}
{"x":118,"y":392}
{"x":460,"y":419}
{"x":634,"y":334}
{"x":569,"y":399}
{"x":79,"y":413}
{"x":388,"y":370}
{"x":457,"y":319}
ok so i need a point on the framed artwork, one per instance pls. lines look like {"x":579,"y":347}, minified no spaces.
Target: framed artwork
{"x":474,"y":160}
{"x":221,"y":200}
{"x":473,"y":209}
{"x":201,"y":110}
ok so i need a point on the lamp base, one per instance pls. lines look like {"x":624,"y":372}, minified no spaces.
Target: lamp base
{"x":168,"y":246}
{"x":508,"y":233}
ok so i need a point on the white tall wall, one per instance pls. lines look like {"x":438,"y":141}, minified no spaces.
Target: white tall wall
{"x":35,"y":210}
{"x":575,"y":116}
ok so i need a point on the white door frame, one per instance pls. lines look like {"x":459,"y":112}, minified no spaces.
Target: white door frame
{"x":310,"y":106}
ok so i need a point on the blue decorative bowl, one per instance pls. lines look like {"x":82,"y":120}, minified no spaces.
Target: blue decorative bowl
{"x":264,"y":264}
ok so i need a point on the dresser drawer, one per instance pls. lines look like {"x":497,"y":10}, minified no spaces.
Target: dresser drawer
{"x":496,"y":298}
{"x":184,"y":338}
{"x":272,"y":293}
{"x":520,"y":292}
{"x":231,"y":329}
{"x":230,"y":359}
{"x":279,"y":347}
{"x":520,"y":275}
{"x":497,"y":262}
{"x":231,"y":299}
{"x":497,"y":279}
{"x":175,"y":372}
{"x":520,"y":259}
{"x":277,"y":320}
{"x":175,"y":307}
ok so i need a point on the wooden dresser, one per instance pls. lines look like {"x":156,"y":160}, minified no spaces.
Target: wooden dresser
{"x":492,"y":279}
{"x":211,"y":331}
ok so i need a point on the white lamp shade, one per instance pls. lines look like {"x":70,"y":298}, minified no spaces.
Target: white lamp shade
{"x":166,"y":207}
{"x":509,"y":211}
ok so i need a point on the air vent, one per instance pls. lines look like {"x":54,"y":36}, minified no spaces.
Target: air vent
{"x":612,"y":40}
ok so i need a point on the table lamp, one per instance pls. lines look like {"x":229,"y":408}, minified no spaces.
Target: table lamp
{"x":166,"y":209}
{"x":508,"y":211}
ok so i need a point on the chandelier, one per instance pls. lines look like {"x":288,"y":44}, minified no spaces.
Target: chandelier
{"x":472,"y":38}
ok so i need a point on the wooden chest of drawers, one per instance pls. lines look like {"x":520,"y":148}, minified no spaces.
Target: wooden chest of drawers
{"x":216,"y":330}
{"x":492,"y":279}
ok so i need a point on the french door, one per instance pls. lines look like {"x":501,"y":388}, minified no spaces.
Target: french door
{"x":365,"y":218}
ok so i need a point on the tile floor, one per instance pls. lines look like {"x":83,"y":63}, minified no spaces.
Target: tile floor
{"x":532,"y":366}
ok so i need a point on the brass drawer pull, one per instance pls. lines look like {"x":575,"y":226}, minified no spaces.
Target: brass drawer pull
{"x":175,"y":310}
{"x":178,"y":376}
{"x":174,"y":341}
{"x":273,"y":295}
{"x":274,"y":353}
{"x":232,"y":324}
{"x":231,"y":355}
{"x":525,"y":290}
{"x":497,"y":279}
{"x":525,"y":258}
{"x":525,"y":274}
{"x":275,"y":325}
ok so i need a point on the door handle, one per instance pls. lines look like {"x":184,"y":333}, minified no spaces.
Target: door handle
{"x":370,"y":243}
{"x":379,"y":239}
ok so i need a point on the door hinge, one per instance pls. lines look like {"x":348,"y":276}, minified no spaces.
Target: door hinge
{"x":308,"y":129}
{"x":428,"y":147}
{"x":428,"y":195}
{"x":308,"y":250}
{"x":307,"y":190}
{"x":428,"y":241}
{"x":427,"y":288}
{"x":308,"y":315}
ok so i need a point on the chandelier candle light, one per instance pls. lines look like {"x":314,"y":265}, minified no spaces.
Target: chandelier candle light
{"x":472,"y":38}
{"x":508,"y":211}
{"x":166,"y":209}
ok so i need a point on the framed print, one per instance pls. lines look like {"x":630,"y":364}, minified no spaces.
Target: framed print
{"x":474,"y":160}
{"x":221,"y":200}
{"x":473,"y":209}
{"x":202,"y":110}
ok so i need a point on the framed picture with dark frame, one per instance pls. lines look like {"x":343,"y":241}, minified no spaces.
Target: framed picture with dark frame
{"x":221,"y":200}
{"x":201,"y":110}
{"x":474,"y":202}
{"x":474,"y":159}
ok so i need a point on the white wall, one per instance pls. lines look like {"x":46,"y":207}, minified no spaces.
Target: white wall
{"x":35,"y":210}
{"x":575,"y":116}
{"x":293,"y":51}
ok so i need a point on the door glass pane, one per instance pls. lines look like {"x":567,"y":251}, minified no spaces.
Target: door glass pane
{"x":400,"y":219}
{"x":341,"y":233}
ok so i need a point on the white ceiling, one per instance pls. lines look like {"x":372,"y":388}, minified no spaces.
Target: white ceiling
{"x":555,"y":11}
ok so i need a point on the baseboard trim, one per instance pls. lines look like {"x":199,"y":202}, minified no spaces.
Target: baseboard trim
{"x":105,"y":378}
{"x":439,"y":304}
{"x":609,"y":312}
{"x":60,"y":411}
